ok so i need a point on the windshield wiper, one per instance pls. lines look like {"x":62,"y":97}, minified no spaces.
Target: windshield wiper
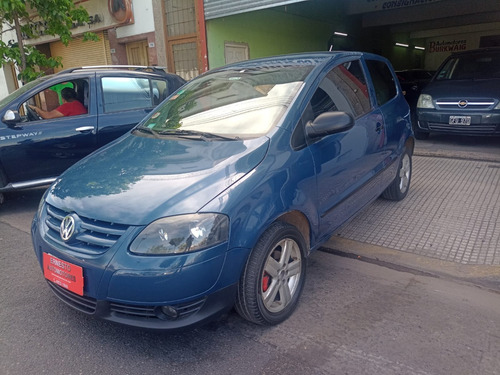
{"x":193,"y":134}
{"x":147,"y":131}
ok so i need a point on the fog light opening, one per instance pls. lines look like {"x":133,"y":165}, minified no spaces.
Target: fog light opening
{"x":168,"y":312}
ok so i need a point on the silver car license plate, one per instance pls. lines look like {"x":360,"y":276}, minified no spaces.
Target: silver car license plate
{"x":460,"y":120}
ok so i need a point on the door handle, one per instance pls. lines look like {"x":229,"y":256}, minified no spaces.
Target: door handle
{"x":84,"y":129}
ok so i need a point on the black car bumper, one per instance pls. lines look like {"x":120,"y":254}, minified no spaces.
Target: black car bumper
{"x":481,"y":123}
{"x":181,"y":316}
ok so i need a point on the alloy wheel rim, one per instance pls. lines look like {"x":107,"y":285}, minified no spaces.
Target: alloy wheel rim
{"x":404,"y":174}
{"x":281,"y":275}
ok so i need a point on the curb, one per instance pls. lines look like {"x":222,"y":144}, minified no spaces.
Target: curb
{"x":461,"y":155}
{"x":483,"y":276}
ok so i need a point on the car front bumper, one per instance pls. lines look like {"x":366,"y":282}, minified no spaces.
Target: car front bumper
{"x":481,"y":123}
{"x":153,"y":292}
{"x":187,"y":315}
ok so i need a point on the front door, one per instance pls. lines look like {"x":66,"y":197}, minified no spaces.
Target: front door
{"x":40,"y":148}
{"x":345,"y":161}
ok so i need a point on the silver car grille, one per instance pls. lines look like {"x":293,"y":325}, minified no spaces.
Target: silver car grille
{"x":463,"y":104}
{"x":95,"y":236}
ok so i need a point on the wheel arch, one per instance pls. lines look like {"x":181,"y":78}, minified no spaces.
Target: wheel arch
{"x":299,"y":221}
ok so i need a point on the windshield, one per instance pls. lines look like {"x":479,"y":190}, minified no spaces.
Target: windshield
{"x":9,"y":98}
{"x":485,"y":65}
{"x":243,"y":103}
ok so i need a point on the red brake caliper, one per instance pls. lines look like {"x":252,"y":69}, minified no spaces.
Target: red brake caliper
{"x":265,"y":281}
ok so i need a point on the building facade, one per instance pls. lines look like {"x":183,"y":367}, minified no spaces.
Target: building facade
{"x":190,"y":36}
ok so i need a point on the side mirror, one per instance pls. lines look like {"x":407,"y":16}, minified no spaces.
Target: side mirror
{"x":11,"y":117}
{"x":329,"y":123}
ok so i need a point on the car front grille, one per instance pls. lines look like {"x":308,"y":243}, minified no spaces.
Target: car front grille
{"x":184,"y":310}
{"x":466,"y":105}
{"x":462,"y":129}
{"x":91,"y":306}
{"x":81,"y":303}
{"x":94,"y":236}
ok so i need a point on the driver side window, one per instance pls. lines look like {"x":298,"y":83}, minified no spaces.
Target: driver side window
{"x":51,"y":99}
{"x":343,"y":89}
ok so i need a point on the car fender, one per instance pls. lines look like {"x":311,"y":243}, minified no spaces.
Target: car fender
{"x":268,"y":192}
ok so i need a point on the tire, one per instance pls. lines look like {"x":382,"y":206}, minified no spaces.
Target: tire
{"x":399,"y":187}
{"x":274,"y":276}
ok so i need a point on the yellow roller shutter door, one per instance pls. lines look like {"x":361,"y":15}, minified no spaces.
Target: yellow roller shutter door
{"x":80,"y":53}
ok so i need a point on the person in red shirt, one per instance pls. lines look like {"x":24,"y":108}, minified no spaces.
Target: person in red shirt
{"x":70,"y":107}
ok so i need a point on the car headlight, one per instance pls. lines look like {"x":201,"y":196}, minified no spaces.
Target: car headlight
{"x":181,"y":234}
{"x":498,"y":106}
{"x":425,"y":101}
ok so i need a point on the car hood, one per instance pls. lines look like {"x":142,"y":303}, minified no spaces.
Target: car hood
{"x":463,"y":89}
{"x":137,"y":179}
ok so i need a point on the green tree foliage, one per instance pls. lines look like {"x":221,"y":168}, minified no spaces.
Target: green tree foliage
{"x":31,"y":18}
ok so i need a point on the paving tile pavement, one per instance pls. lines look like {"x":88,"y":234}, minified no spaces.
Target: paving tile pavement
{"x":451,"y":213}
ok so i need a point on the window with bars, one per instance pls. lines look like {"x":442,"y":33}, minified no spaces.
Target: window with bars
{"x":186,"y":60}
{"x":182,"y":37}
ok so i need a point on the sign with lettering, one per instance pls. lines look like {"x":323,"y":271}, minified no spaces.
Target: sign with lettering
{"x":366,"y":6}
{"x":447,"y":46}
{"x":64,"y":274}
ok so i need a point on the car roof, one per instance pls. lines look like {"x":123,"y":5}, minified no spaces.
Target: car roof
{"x":138,"y":69}
{"x":477,"y":51}
{"x":310,"y":58}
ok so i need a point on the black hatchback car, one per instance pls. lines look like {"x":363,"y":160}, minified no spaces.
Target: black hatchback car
{"x":463,"y":97}
{"x":35,"y":150}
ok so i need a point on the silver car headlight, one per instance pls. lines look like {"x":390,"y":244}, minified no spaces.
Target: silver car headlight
{"x":498,"y":106}
{"x":181,"y":234}
{"x":425,"y":101}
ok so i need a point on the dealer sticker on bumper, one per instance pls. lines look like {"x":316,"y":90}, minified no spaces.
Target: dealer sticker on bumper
{"x":460,"y":120}
{"x":64,"y":274}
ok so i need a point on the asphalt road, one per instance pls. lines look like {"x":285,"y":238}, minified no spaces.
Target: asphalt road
{"x":354,"y":318}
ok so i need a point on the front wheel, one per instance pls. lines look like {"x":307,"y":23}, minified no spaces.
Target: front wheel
{"x":274,"y":276}
{"x":399,"y":187}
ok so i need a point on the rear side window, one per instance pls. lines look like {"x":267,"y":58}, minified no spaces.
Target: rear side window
{"x":126,"y":93}
{"x":383,"y":81}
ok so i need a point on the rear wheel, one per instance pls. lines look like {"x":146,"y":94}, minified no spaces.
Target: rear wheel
{"x":399,"y":187}
{"x":274,"y":276}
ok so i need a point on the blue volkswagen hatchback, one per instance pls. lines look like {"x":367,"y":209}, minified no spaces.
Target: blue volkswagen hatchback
{"x":217,"y":198}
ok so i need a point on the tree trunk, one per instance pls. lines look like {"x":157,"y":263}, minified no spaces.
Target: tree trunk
{"x":20,"y":43}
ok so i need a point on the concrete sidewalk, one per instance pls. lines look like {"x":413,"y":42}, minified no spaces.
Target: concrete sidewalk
{"x":447,"y":225}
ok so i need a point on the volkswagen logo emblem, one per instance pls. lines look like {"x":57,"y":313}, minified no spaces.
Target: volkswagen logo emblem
{"x":67,"y":228}
{"x":463,"y":103}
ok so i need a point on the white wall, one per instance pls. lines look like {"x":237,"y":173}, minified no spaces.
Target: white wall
{"x":440,"y":43}
{"x":3,"y":85}
{"x":143,"y":20}
{"x":7,"y":81}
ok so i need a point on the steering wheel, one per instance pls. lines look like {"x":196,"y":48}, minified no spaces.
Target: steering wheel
{"x":32,"y":115}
